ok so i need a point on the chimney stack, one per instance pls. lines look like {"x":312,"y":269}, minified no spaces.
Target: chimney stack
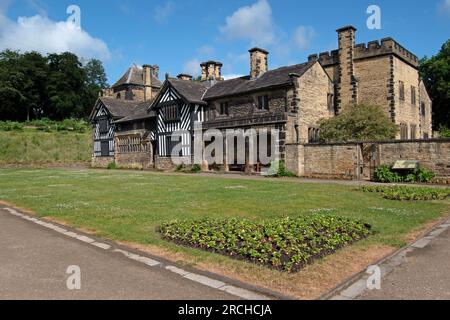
{"x":156,"y":71}
{"x":211,"y":71}
{"x":258,"y":62}
{"x":347,"y":87}
{"x":148,"y":70}
{"x":185,"y":77}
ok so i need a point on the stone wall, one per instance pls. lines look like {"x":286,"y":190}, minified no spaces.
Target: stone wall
{"x":405,"y":112}
{"x":247,"y":105}
{"x":433,"y":154}
{"x":101,"y":162}
{"x":166,"y":163}
{"x":138,"y":160}
{"x":331,"y":161}
{"x":359,"y":160}
{"x":314,"y":88}
{"x":373,"y":77}
{"x":134,"y":149}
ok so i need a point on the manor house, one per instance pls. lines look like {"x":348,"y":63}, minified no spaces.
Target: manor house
{"x":135,"y":119}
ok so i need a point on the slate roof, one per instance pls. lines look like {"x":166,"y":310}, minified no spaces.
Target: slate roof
{"x":139,"y":113}
{"x":135,"y":76}
{"x":272,"y":78}
{"x":116,"y":107}
{"x":191,"y":91}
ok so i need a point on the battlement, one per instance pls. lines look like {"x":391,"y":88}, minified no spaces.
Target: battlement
{"x":383,"y":47}
{"x":369,"y":50}
{"x":326,"y":58}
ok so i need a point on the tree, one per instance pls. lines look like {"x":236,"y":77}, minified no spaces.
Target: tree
{"x":55,"y":86}
{"x":95,"y":81}
{"x":436,"y":75}
{"x":358,"y":123}
{"x":34,"y":67}
{"x":65,"y":86}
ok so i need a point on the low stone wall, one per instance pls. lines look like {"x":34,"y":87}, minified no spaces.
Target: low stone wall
{"x":433,"y":155}
{"x":166,"y":163}
{"x":101,"y":162}
{"x":359,"y":160}
{"x":138,"y":160}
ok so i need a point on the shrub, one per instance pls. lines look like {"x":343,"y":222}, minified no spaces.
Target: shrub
{"x":278,"y":169}
{"x":358,"y":123}
{"x":283,"y":172}
{"x":384,"y":174}
{"x":112,"y":166}
{"x":286,"y":244}
{"x":196,"y":168}
{"x":444,"y":131}
{"x":403,"y":193}
{"x":11,"y":126}
{"x":425,"y":175}
{"x":48,"y":125}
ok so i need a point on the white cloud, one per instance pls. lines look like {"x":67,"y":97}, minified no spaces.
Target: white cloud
{"x":444,"y":6}
{"x":302,"y":37}
{"x":38,"y":33}
{"x":231,"y":76}
{"x":192,"y":67}
{"x":252,"y":23}
{"x":162,"y":13}
{"x":206,"y":50}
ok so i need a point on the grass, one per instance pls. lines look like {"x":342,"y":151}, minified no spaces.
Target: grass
{"x":129,"y":206}
{"x":38,"y":147}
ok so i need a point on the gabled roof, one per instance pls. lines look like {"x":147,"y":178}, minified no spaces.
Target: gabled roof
{"x":190,"y":91}
{"x":272,"y":78}
{"x":135,"y":76}
{"x":140,"y":113}
{"x":117,"y":108}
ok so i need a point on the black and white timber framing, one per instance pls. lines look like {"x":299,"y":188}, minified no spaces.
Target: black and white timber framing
{"x":104,"y":131}
{"x":176,"y":116}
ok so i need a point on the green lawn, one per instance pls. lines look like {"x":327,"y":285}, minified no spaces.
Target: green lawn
{"x":128,"y":205}
{"x":38,"y":147}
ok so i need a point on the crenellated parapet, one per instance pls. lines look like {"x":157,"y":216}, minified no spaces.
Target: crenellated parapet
{"x":326,"y":58}
{"x":370,"y":50}
{"x":383,"y":47}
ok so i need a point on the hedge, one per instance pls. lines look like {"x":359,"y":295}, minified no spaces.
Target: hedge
{"x":403,"y":193}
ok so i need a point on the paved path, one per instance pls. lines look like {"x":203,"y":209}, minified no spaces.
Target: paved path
{"x":424,"y":275}
{"x":34,"y":261}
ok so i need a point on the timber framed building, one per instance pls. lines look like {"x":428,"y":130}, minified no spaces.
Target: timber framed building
{"x":141,"y":114}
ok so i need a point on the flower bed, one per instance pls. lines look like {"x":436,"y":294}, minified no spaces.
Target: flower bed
{"x":286,"y":244}
{"x":402,"y":193}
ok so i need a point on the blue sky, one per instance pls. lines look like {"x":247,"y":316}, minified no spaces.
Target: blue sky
{"x":178,"y":35}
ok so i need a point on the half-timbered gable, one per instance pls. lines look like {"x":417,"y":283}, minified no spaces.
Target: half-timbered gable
{"x":103,"y":117}
{"x":178,"y":106}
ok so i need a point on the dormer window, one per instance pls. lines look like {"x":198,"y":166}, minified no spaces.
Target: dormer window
{"x":263,"y":102}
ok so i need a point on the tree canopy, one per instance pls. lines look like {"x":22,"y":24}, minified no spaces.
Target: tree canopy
{"x":56,"y":86}
{"x":360,"y":122}
{"x":436,"y":75}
